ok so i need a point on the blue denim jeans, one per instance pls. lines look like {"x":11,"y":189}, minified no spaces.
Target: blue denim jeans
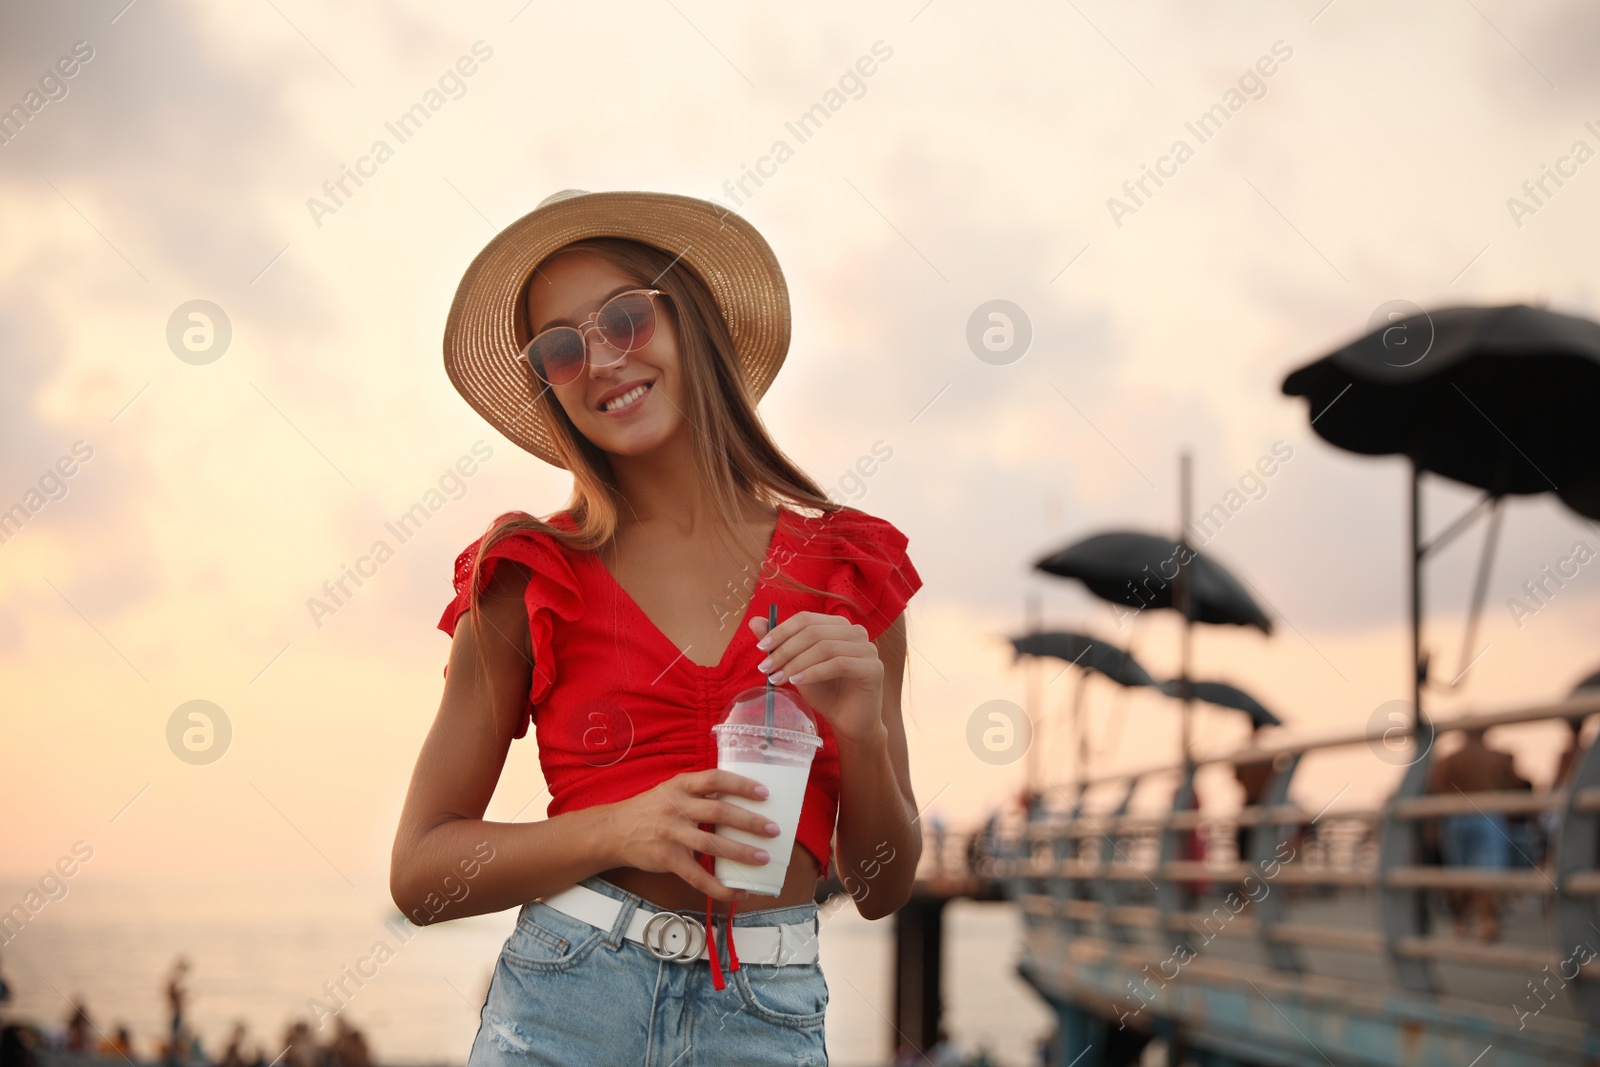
{"x":565,"y":992}
{"x":1476,"y":840}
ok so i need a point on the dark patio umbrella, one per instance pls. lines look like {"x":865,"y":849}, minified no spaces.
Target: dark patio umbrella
{"x":1501,"y":398}
{"x":1225,"y":696}
{"x":1088,"y":654}
{"x":1138,"y":569}
{"x":1085,"y":652}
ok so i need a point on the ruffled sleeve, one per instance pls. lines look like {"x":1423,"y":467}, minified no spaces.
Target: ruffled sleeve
{"x":553,"y":594}
{"x":870,"y":568}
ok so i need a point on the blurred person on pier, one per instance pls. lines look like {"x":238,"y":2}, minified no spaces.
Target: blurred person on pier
{"x":1475,"y":839}
{"x":177,"y":1001}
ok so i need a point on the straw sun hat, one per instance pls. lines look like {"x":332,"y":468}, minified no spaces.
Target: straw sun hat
{"x":488,"y":324}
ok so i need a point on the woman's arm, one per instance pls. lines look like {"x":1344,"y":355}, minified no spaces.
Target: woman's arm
{"x":855,"y":684}
{"x":442,"y":838}
{"x":448,"y":862}
{"x":880,"y":841}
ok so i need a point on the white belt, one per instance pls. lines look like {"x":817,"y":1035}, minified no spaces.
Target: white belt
{"x":681,"y":938}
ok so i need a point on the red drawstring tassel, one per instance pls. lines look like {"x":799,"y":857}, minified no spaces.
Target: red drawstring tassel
{"x":711,"y":945}
{"x":717,"y":981}
{"x":711,"y":949}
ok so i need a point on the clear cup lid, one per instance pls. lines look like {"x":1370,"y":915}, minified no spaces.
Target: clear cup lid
{"x":794,"y":738}
{"x":748,"y":715}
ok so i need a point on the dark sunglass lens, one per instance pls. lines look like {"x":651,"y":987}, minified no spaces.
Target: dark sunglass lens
{"x":627,"y":322}
{"x":557,"y":355}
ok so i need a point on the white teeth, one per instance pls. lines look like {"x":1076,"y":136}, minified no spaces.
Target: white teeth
{"x":626,"y":398}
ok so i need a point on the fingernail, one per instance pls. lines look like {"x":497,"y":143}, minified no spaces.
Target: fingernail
{"x":761,"y":855}
{"x":764,"y":644}
{"x":773,"y":829}
{"x":763,"y":792}
{"x":777,"y":677}
{"x":765,"y":665}
{"x":794,"y":677}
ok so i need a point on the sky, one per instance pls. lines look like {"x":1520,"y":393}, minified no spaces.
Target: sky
{"x":983,"y":158}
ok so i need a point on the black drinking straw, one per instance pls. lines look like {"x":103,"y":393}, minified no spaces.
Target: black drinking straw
{"x":772,"y":624}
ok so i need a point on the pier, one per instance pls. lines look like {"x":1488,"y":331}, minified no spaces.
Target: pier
{"x":1302,"y":937}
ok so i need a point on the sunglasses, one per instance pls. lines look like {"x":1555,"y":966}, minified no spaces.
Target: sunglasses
{"x":625,"y":323}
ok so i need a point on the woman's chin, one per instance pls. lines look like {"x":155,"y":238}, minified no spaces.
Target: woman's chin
{"x":638,"y":440}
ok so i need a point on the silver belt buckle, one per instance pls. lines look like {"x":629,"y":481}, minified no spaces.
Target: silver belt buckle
{"x":671,"y":936}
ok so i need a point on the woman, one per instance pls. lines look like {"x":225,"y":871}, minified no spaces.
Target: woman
{"x":626,"y":337}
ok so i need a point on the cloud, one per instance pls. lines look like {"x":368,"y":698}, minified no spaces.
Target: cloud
{"x":1558,"y":41}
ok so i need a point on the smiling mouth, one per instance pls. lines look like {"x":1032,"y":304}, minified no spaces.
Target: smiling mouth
{"x":625,"y":401}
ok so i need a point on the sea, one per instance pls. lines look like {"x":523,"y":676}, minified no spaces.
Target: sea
{"x":261,"y":951}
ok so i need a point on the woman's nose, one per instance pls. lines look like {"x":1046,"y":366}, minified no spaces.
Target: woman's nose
{"x":602,"y":358}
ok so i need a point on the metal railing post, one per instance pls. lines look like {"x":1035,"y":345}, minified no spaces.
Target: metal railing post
{"x":1174,"y":896}
{"x":1064,"y":886}
{"x":1265,"y":839}
{"x":1577,"y":849}
{"x":1402,"y":911}
{"x":1109,"y":891}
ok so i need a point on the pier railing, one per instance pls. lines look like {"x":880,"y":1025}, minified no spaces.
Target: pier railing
{"x":1132,"y":921}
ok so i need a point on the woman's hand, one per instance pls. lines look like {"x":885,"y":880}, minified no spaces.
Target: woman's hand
{"x":657,"y":829}
{"x":834,"y":665}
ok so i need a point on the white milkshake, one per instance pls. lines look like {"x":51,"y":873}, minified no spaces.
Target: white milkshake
{"x":770,"y":737}
{"x":782,"y":806}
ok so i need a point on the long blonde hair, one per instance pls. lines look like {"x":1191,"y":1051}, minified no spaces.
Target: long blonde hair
{"x":734,"y":457}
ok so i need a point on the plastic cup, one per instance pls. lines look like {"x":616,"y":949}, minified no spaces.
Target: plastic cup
{"x":779,"y":757}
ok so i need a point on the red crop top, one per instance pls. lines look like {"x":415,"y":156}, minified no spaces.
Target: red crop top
{"x":617,"y":708}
